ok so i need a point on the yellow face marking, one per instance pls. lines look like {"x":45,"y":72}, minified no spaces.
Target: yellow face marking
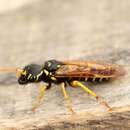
{"x":46,"y":72}
{"x":24,"y":72}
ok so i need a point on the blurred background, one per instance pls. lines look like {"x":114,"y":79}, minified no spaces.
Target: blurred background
{"x":38,"y":30}
{"x":63,"y":29}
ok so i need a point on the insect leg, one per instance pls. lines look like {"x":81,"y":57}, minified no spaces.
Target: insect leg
{"x":39,"y":99}
{"x":86,"y":89}
{"x":67,"y":98}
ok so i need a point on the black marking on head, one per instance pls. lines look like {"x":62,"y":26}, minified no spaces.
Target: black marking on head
{"x":52,"y":65}
{"x":22,"y":79}
{"x":33,"y":69}
{"x":31,"y":73}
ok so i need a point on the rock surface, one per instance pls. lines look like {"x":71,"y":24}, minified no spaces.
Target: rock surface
{"x":58,"y":29}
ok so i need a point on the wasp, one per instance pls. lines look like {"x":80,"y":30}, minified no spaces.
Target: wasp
{"x":67,"y":73}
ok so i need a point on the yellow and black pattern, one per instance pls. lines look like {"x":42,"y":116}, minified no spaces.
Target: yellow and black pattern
{"x":69,"y":72}
{"x":56,"y":72}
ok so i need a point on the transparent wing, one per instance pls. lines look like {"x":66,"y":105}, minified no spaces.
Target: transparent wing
{"x":88,"y":69}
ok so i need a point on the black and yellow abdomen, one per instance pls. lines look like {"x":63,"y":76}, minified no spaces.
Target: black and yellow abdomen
{"x":57,"y":72}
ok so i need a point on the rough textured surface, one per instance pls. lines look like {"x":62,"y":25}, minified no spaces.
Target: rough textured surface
{"x":65,"y":30}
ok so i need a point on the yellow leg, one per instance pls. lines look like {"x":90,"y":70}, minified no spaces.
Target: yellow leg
{"x":86,"y":89}
{"x":39,"y":99}
{"x":67,"y":98}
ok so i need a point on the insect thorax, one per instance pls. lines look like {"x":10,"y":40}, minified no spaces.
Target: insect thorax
{"x":37,"y":73}
{"x":50,"y":67}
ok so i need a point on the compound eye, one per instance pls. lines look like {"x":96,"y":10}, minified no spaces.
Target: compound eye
{"x":22,"y":80}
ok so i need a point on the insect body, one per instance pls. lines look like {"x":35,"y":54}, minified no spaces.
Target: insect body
{"x":56,"y":72}
{"x":68,"y":72}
